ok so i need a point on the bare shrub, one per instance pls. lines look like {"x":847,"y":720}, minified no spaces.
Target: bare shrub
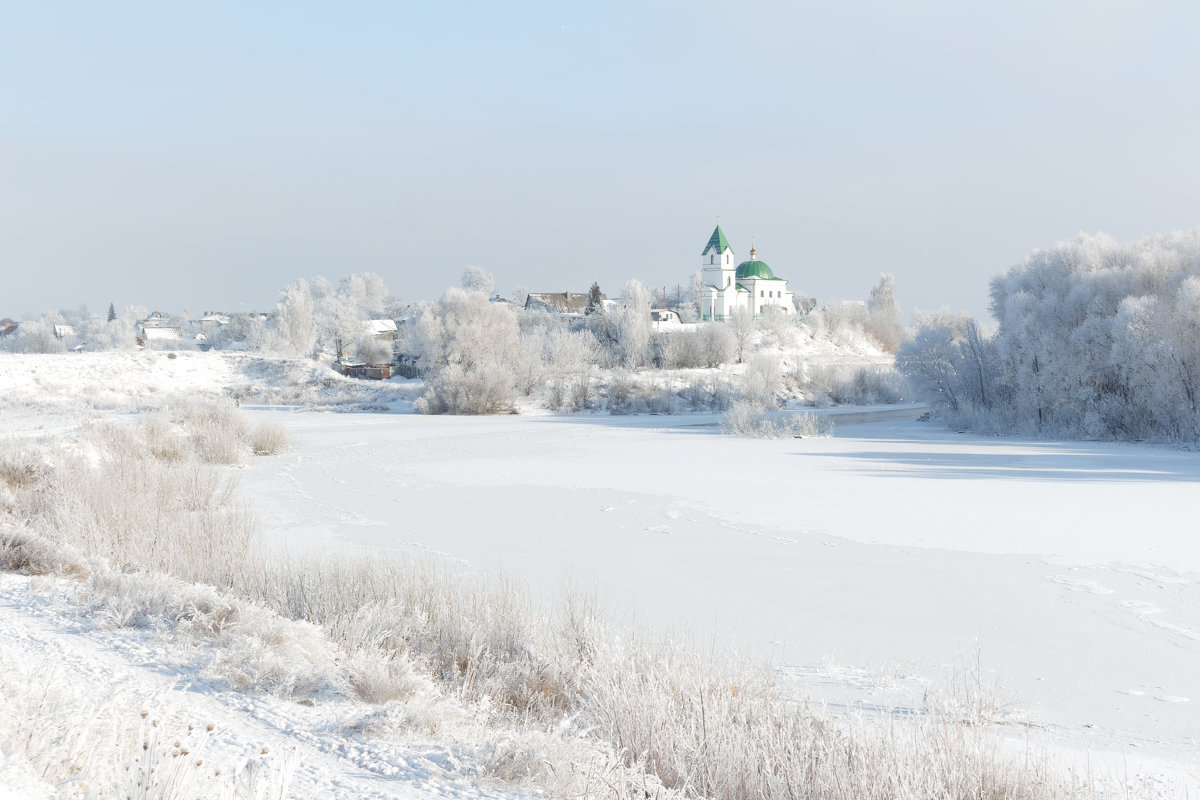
{"x":710,"y":345}
{"x":21,"y":467}
{"x":745,"y":418}
{"x":163,"y":439}
{"x":849,"y":385}
{"x":24,"y":551}
{"x":268,"y":438}
{"x":218,"y":431}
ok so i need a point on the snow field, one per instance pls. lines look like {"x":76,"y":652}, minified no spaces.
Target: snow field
{"x":548,"y":699}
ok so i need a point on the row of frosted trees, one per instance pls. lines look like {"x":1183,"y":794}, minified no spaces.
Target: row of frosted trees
{"x":1095,"y":340}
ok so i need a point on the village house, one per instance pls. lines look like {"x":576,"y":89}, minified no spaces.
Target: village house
{"x":213,"y":319}
{"x":157,"y":328}
{"x":665,"y":319}
{"x":569,"y":303}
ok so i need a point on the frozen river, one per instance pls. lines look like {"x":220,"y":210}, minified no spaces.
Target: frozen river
{"x":867,"y":565}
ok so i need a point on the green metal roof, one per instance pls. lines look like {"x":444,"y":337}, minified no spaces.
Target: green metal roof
{"x":754,"y":269}
{"x":717,"y":241}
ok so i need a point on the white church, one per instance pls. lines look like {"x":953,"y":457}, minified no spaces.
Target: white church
{"x":727,"y":287}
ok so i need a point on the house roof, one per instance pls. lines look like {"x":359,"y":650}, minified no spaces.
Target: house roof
{"x":161,"y":332}
{"x":716,"y":242}
{"x":380,"y":325}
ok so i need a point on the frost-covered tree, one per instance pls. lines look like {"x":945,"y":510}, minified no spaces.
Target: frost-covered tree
{"x":883,"y":314}
{"x":569,"y":356}
{"x":476,"y":279}
{"x":294,"y":320}
{"x":690,"y":309}
{"x":112,"y":312}
{"x":365,"y":292}
{"x":743,"y":324}
{"x":469,"y":348}
{"x":36,"y":336}
{"x":632,"y":321}
{"x":1096,"y":339}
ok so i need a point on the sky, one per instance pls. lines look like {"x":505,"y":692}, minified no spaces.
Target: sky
{"x":201,"y":156}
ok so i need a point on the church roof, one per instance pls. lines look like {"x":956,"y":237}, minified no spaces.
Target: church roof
{"x":755,"y":269}
{"x":716,"y":242}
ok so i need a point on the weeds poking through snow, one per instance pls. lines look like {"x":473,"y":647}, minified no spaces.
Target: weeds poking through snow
{"x":100,"y":746}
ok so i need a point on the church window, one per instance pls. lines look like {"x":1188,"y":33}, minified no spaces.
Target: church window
{"x":727,"y":258}
{"x":710,"y":259}
{"x":728,"y":280}
{"x":760,"y":292}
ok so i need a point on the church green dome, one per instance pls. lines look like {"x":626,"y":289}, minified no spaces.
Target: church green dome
{"x":754,"y":269}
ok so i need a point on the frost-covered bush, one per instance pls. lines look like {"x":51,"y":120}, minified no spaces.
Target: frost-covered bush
{"x":709,"y":345}
{"x":762,"y":381}
{"x":624,"y":392}
{"x":456,"y":389}
{"x":23,"y":550}
{"x":747,"y":418}
{"x":850,"y":385}
{"x":269,"y":438}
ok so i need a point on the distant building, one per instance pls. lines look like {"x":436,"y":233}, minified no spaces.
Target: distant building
{"x":573,"y":303}
{"x":352,"y":368}
{"x":213,"y":319}
{"x":751,"y":284}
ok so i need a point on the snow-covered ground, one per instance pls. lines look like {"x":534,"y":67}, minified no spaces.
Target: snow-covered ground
{"x":871,"y":565}
{"x":871,"y":569}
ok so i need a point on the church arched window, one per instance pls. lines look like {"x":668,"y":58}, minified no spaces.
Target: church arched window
{"x":710,"y":259}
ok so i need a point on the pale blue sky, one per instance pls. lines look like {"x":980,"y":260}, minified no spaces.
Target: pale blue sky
{"x":203,"y":155}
